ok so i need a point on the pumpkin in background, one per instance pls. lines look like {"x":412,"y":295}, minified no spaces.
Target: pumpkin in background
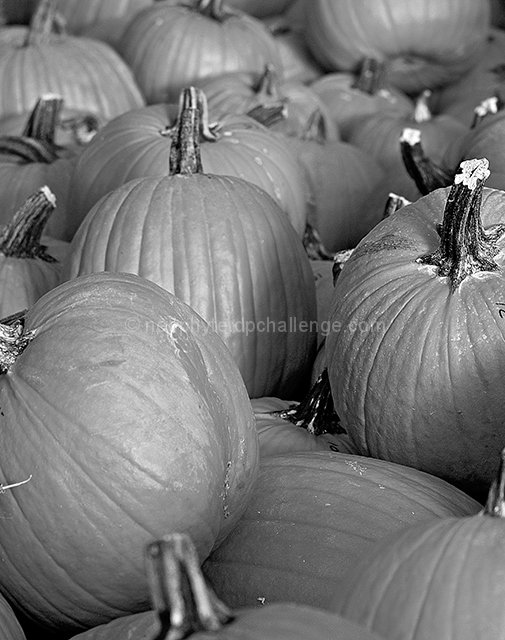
{"x":421,"y":313}
{"x":27,"y":267}
{"x":261,"y":8}
{"x":312,"y":515}
{"x":352,"y":96}
{"x":220,"y":244}
{"x":171,"y":45}
{"x":185,"y":606}
{"x":460,"y":99}
{"x":31,"y":159}
{"x":101,"y":19}
{"x":257,"y":94}
{"x":439,"y":580}
{"x":10,"y":628}
{"x":89,"y":75}
{"x":124,"y":414}
{"x":425,"y":43}
{"x":379,"y":135}
{"x":138,"y":143}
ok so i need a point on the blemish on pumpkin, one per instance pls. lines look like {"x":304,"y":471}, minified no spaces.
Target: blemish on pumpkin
{"x":388,"y":242}
{"x":226,"y":489}
{"x":356,"y":467}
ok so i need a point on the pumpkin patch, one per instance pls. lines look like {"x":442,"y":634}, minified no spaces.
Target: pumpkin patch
{"x":252,"y":319}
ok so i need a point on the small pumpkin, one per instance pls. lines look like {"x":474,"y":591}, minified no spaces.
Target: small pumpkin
{"x":124,"y":414}
{"x":421,"y":313}
{"x":441,"y":579}
{"x":185,"y":606}
{"x":312,"y":515}
{"x":88,"y":74}
{"x":171,"y":45}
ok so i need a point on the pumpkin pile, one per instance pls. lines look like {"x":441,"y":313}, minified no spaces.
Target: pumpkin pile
{"x":252,"y":319}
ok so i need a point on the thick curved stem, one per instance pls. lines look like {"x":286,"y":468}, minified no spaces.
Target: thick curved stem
{"x":464,"y":246}
{"x":20,"y":238}
{"x":45,"y":116}
{"x":495,"y":505}
{"x":427,"y":175}
{"x":183,"y":601}
{"x":370,"y":77}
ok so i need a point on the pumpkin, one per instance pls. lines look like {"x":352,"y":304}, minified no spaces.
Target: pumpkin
{"x":88,"y":74}
{"x":421,"y":313}
{"x":253,"y":93}
{"x":171,"y":45}
{"x":31,"y":159}
{"x":312,"y":515}
{"x":352,"y":96}
{"x":224,"y":247}
{"x":379,"y":135}
{"x":441,"y":579}
{"x":424,"y":43}
{"x":27,"y":268}
{"x":459,"y":99}
{"x":138,"y":143}
{"x":261,"y":8}
{"x":100,"y":19}
{"x":185,"y":606}
{"x":124,"y":415}
{"x":10,"y":628}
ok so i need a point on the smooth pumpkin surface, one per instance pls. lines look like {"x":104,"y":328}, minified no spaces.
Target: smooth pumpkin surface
{"x":126,"y":417}
{"x":312,"y":515}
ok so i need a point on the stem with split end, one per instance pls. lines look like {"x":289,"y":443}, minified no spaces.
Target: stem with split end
{"x":464,"y":246}
{"x":427,"y":175}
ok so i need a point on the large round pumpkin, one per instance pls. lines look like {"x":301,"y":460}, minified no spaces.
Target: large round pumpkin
{"x":223,"y":246}
{"x":123,"y":417}
{"x":426,"y":43}
{"x":312,"y":515}
{"x":416,"y":355}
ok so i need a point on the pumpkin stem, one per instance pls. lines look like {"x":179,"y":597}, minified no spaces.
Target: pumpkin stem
{"x":495,"y":505}
{"x":267,"y":87}
{"x":183,"y":601}
{"x":20,"y":238}
{"x":313,"y":244}
{"x":370,"y":77}
{"x":213,"y":9}
{"x":393,"y":203}
{"x":339,"y":260}
{"x":13,"y":339}
{"x":489,"y":106}
{"x":464,"y":246}
{"x":422,"y":112}
{"x":185,"y":156}
{"x":427,"y":175}
{"x":316,"y":411}
{"x":41,"y":124}
{"x":83,"y":127}
{"x":44,"y":23}
{"x":268,"y":115}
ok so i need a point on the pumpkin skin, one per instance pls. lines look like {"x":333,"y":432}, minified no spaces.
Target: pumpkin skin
{"x":113,"y":456}
{"x":273,"y":622}
{"x":89,"y":75}
{"x":425,"y":44}
{"x":171,"y":45}
{"x":224,"y":247}
{"x":10,"y":629}
{"x":131,"y":146}
{"x":454,"y":567}
{"x":312,"y":515}
{"x":386,"y":303}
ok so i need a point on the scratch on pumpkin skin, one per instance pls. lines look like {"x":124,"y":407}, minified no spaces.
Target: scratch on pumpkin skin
{"x":226,"y":488}
{"x":4,"y":487}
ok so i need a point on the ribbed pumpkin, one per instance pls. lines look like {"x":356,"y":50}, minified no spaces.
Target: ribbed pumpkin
{"x":185,"y":606}
{"x":425,"y":43}
{"x":173,"y":44}
{"x":439,"y":580}
{"x":10,"y":629}
{"x":421,"y":314}
{"x":223,"y":246}
{"x":312,"y":515}
{"x":86,"y":73}
{"x":137,"y":144}
{"x":27,"y":267}
{"x":123,"y":418}
{"x":31,"y":159}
